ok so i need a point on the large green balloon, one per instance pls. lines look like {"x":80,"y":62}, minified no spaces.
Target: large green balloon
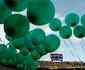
{"x":55,"y":24}
{"x":16,"y":5}
{"x":72,"y":19}
{"x":38,"y":36}
{"x":40,"y":12}
{"x":79,"y":31}
{"x":16,"y":26}
{"x":52,"y":43}
{"x":65,"y":32}
{"x":83,"y":19}
{"x":4,"y":12}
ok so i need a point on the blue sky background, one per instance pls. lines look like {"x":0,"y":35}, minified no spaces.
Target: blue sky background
{"x":73,"y":49}
{"x":65,"y":6}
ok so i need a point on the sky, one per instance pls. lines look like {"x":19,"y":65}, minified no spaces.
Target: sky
{"x":72,"y":49}
{"x":63,"y":7}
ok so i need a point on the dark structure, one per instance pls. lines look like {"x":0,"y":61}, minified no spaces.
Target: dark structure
{"x":7,"y":67}
{"x":49,"y":65}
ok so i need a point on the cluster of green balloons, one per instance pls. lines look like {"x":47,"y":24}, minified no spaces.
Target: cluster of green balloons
{"x":25,"y":47}
{"x":73,"y":24}
{"x":7,"y":54}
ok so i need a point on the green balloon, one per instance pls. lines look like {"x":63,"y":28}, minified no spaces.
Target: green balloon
{"x":11,"y":62}
{"x":28,"y":42}
{"x":41,"y":49}
{"x":35,"y":54}
{"x":52,"y":43}
{"x":40,"y":12}
{"x":83,"y":19}
{"x":12,"y":52}
{"x":20,"y":58}
{"x":4,"y":12}
{"x":23,"y":42}
{"x":79,"y":31}
{"x":28,"y":59}
{"x":16,"y":26}
{"x":16,"y":5}
{"x":72,"y":19}
{"x":35,"y":65}
{"x":17,"y":43}
{"x":3,"y":51}
{"x":3,"y":54}
{"x":9,"y":56}
{"x":55,"y":24}
{"x":38,"y":36}
{"x":65,"y":32}
{"x":24,"y":51}
{"x":28,"y":66}
{"x":1,"y":2}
